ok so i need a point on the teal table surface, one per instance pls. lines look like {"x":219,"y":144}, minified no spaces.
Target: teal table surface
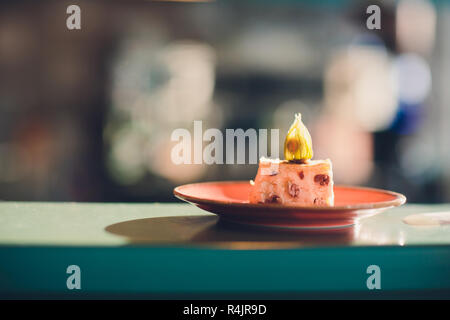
{"x":177,"y":250}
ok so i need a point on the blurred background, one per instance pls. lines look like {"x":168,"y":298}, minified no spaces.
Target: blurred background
{"x":87,"y":115}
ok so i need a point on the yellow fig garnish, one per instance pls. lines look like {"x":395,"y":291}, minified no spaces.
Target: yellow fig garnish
{"x":298,"y":143}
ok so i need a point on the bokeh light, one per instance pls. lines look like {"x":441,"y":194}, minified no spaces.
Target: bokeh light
{"x":156,"y":89}
{"x":415,"y":27}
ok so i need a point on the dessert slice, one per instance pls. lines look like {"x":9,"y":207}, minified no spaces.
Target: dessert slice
{"x":296,"y":180}
{"x":284,"y":182}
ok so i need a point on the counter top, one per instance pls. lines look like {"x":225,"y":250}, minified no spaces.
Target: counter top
{"x":177,"y":250}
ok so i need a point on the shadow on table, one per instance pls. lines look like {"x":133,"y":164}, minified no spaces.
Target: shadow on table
{"x":210,"y":231}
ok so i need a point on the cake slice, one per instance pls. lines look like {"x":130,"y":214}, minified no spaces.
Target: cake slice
{"x":290,"y":183}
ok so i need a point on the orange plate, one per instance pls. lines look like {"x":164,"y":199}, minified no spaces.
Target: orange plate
{"x":229,"y":200}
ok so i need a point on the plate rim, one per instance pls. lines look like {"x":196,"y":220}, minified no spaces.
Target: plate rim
{"x":399,"y":199}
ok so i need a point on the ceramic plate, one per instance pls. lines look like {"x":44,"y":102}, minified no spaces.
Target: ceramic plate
{"x":229,"y":200}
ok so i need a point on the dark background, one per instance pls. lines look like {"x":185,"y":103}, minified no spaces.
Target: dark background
{"x":86,"y":115}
